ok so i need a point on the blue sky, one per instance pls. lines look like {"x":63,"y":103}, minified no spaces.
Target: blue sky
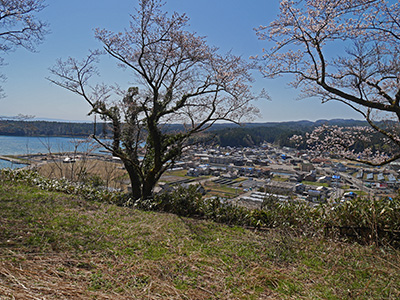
{"x":227,"y":24}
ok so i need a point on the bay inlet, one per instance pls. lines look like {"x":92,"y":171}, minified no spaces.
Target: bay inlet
{"x":22,"y":145}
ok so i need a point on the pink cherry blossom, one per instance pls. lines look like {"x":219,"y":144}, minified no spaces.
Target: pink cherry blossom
{"x":346,"y":51}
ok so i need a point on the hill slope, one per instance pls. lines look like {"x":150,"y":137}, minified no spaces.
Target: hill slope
{"x":57,"y":246}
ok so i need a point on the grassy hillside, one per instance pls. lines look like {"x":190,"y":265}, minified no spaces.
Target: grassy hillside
{"x":58,"y":246}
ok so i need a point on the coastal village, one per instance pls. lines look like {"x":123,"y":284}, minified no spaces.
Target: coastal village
{"x":247,"y":176}
{"x":242,"y":175}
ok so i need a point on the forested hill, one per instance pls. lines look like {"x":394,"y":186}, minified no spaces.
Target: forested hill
{"x":45,"y":128}
{"x":253,"y":134}
{"x":250,"y":134}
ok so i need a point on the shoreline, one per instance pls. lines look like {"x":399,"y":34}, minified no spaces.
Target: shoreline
{"x":15,"y":160}
{"x":35,"y":158}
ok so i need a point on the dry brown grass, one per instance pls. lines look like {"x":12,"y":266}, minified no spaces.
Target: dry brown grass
{"x":112,"y":173}
{"x":54,"y":246}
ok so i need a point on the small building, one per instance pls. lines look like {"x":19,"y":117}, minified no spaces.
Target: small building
{"x":381,"y":177}
{"x":229,"y":175}
{"x":391,"y":178}
{"x":300,"y":188}
{"x":360,"y":174}
{"x":306,"y":167}
{"x":370,"y":176}
{"x":192,"y":172}
{"x":340,"y":167}
{"x":310,"y":176}
{"x":317,"y":195}
{"x":349,"y":195}
{"x":278,"y":187}
{"x":325,"y":179}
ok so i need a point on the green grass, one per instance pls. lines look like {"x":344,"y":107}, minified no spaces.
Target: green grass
{"x":179,"y":173}
{"x":279,"y":178}
{"x":221,"y":190}
{"x":315,"y":183}
{"x":56,"y":246}
{"x":359,"y":193}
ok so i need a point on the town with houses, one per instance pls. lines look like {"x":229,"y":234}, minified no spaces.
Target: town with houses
{"x":247,"y":176}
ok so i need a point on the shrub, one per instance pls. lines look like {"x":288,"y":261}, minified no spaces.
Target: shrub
{"x":367,"y":220}
{"x":183,"y":202}
{"x":219,"y":210}
{"x":88,"y":192}
{"x":188,"y":202}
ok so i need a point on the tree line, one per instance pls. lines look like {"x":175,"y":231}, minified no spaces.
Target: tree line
{"x":247,"y":135}
{"x":45,"y":128}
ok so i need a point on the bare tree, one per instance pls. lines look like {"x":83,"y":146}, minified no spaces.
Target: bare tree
{"x":19,"y":26}
{"x":346,"y":51}
{"x":180,"y":79}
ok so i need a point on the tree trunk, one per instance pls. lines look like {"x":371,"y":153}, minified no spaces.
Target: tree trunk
{"x":136,"y":184}
{"x":148,"y":187}
{"x":141,"y":189}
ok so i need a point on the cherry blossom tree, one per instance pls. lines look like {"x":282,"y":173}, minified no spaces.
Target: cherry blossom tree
{"x":180,"y":79}
{"x":345,"y":51}
{"x":19,"y":26}
{"x":357,"y":143}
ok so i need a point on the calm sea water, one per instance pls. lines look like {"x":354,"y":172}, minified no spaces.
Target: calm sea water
{"x":14,"y":145}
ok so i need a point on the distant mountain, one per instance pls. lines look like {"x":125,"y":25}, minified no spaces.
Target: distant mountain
{"x":294,"y":124}
{"x":34,"y":119}
{"x":251,"y":134}
{"x":225,"y":134}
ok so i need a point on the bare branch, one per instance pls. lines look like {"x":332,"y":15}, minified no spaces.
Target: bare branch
{"x":365,"y":76}
{"x":184,"y":81}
